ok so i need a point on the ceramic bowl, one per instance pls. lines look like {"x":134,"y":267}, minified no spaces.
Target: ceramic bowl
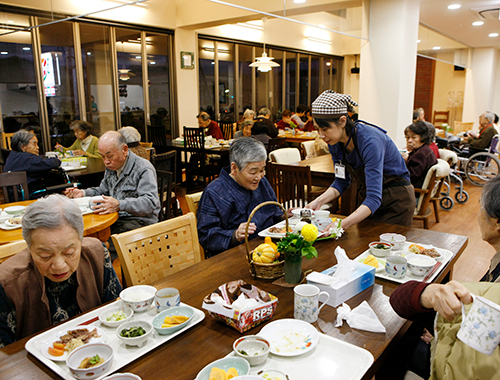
{"x":136,"y":341}
{"x":175,"y":310}
{"x":420,"y":265}
{"x":74,"y":359}
{"x":122,"y":376}
{"x":103,"y":317}
{"x":321,"y":214}
{"x":380,"y":249}
{"x":252,"y":348}
{"x":139,"y":298}
{"x":15,"y":210}
{"x":241,"y":365}
{"x":397,"y":240}
{"x":273,"y":374}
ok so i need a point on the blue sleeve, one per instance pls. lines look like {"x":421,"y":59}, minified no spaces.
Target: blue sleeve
{"x":340,"y":184}
{"x":373,"y":153}
{"x":7,"y":320}
{"x":111,"y":284}
{"x":40,"y":163}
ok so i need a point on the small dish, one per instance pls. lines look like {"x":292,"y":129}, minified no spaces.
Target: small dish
{"x":273,"y":374}
{"x":104,"y":351}
{"x":420,"y":265}
{"x":122,"y":376}
{"x":397,"y":240}
{"x":380,"y":248}
{"x":103,"y":317}
{"x":252,"y":348}
{"x":185,"y":311}
{"x":14,"y":222}
{"x":139,"y":297}
{"x":241,"y":365}
{"x":138,"y":341}
{"x":15,"y":210}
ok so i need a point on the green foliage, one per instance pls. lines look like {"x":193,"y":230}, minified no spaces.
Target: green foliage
{"x":296,"y":243}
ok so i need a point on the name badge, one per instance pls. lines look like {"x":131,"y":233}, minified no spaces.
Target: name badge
{"x":340,"y":171}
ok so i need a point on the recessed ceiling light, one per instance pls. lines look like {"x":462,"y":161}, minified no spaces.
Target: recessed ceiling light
{"x":328,"y":63}
{"x":213,"y":63}
{"x":478,"y":23}
{"x":418,"y":41}
{"x":436,"y":48}
{"x":89,"y":53}
{"x":26,"y":48}
{"x":4,"y":53}
{"x":493,"y":35}
{"x":454,"y":6}
{"x":299,"y":1}
{"x":321,"y":26}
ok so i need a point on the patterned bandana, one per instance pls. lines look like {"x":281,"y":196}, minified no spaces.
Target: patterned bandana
{"x":331,"y":104}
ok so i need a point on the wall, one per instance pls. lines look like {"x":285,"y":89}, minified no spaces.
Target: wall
{"x":351,"y":81}
{"x":424,"y":84}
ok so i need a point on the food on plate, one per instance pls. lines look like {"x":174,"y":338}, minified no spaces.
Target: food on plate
{"x":72,"y":340}
{"x":264,"y":253}
{"x":382,"y":246}
{"x":138,"y":295}
{"x":57,"y":349}
{"x":431,"y":252}
{"x":91,"y":361}
{"x":73,"y":343}
{"x":415,"y":248}
{"x":220,"y":374}
{"x":279,"y":230}
{"x":174,"y":320}
{"x":116,"y":316}
{"x":371,"y":260}
{"x":132,"y":332}
{"x":15,"y":221}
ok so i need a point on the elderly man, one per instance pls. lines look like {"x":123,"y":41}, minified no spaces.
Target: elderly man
{"x":129,"y":186}
{"x":482,"y":140}
{"x":264,"y":120}
{"x":211,"y":126}
{"x":228,"y":201}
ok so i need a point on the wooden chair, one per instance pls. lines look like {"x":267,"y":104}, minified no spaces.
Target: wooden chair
{"x":291,"y":184}
{"x":10,"y":249}
{"x":6,"y":140}
{"x":158,"y":136}
{"x":430,"y":189}
{"x":146,"y":144}
{"x":194,"y":143}
{"x":227,"y":129}
{"x":166,"y":162}
{"x":9,"y":183}
{"x":165,"y":187}
{"x":151,"y":253}
{"x":192,"y":201}
{"x":306,"y":148}
{"x":459,"y":127}
{"x":440,"y":117}
{"x":275,"y":143}
{"x":285,"y":156}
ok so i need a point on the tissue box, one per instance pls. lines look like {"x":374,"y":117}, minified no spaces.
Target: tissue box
{"x":246,"y":318}
{"x":361,"y":278}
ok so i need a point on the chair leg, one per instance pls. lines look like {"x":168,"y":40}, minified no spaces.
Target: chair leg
{"x":426,"y":223}
{"x":436,"y":208}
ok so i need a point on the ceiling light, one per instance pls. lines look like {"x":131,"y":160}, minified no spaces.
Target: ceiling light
{"x":436,"y":48}
{"x":124,"y":74}
{"x":4,"y":53}
{"x":264,"y":63}
{"x":319,"y":40}
{"x":478,"y":23}
{"x":26,"y":48}
{"x":213,"y":63}
{"x":153,"y":63}
{"x":299,"y":1}
{"x":223,"y":51}
{"x":89,"y":53}
{"x":138,"y":57}
{"x":328,"y":63}
{"x":454,"y":6}
{"x":489,"y":35}
{"x":322,"y":26}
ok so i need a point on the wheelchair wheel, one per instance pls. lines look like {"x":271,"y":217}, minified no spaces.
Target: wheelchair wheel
{"x":482,"y":167}
{"x":446,"y":203}
{"x":462,"y":197}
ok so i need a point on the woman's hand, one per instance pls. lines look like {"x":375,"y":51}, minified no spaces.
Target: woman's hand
{"x":78,"y":152}
{"x":446,"y":299}
{"x":239,"y":234}
{"x":72,"y":192}
{"x":405,"y":156}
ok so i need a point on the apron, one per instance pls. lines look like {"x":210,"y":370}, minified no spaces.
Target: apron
{"x":398,"y":195}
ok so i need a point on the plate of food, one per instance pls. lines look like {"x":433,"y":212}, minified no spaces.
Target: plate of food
{"x":58,"y":346}
{"x":277,"y":231}
{"x":290,"y":337}
{"x":14,"y":222}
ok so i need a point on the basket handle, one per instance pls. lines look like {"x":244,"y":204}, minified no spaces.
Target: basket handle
{"x":249,"y":256}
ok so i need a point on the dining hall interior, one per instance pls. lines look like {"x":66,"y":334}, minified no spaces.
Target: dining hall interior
{"x":158,"y":66}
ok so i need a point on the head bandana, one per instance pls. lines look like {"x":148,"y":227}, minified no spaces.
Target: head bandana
{"x":331,"y":104}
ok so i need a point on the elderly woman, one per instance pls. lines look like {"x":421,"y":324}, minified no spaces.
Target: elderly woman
{"x":85,"y":144}
{"x":133,"y":138}
{"x":245,"y":129}
{"x":227,"y":202}
{"x":24,"y":158}
{"x":61,"y":274}
{"x":420,"y":156}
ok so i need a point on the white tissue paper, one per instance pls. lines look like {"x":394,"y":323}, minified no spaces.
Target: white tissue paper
{"x":362,"y":318}
{"x":344,"y":268}
{"x":320,"y":278}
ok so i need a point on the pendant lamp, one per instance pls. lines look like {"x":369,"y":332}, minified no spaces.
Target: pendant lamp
{"x":264,"y":63}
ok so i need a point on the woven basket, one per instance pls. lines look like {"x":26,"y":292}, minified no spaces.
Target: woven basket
{"x":263,"y":270}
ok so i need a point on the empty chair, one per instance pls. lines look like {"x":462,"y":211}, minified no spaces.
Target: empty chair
{"x":158,"y":136}
{"x":6,"y":139}
{"x":285,"y":156}
{"x":10,"y":249}
{"x":165,"y":184}
{"x":460,"y":127}
{"x":194,"y":143}
{"x":276,"y":143}
{"x":166,"y":162}
{"x":151,"y":253}
{"x":291,"y":184}
{"x":306,"y":148}
{"x":14,"y":186}
{"x":440,"y":117}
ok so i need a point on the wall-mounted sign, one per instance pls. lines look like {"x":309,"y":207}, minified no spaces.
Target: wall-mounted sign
{"x":49,"y":74}
{"x":187,"y":60}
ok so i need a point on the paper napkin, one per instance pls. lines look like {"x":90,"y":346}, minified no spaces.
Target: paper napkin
{"x":362,"y":317}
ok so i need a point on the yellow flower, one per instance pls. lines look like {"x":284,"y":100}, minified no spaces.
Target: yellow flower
{"x":309,"y":232}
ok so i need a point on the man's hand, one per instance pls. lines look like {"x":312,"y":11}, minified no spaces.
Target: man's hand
{"x":107,"y":206}
{"x":72,"y":192}
{"x":446,"y":299}
{"x":240,"y":231}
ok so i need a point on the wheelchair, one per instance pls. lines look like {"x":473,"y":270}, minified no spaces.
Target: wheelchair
{"x":477,"y":165}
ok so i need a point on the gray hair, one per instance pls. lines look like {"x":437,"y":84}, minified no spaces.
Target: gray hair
{"x":490,"y":197}
{"x":131,"y":134}
{"x":21,"y":138}
{"x":264,"y":111}
{"x":245,"y":123}
{"x":51,"y":213}
{"x":246,"y":150}
{"x":81,"y":126}
{"x":115,"y":138}
{"x":489,"y":116}
{"x":249,"y":114}
{"x":203,"y":116}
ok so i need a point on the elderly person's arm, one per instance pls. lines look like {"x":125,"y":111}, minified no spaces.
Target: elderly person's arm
{"x":7,"y":320}
{"x":484,"y":140}
{"x":111,"y":284}
{"x":146,"y":201}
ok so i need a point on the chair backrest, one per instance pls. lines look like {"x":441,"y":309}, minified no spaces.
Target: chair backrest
{"x":165,"y":186}
{"x":307,"y":148}
{"x":440,"y":117}
{"x":10,"y":249}
{"x":194,"y":138}
{"x":146,"y":144}
{"x":275,"y":143}
{"x":166,"y":162}
{"x":9,"y":183}
{"x":6,"y":140}
{"x":449,"y":156}
{"x":192,"y":201}
{"x":431,"y":184}
{"x":291,"y":184}
{"x":158,"y":136}
{"x":151,"y":253}
{"x":494,"y":144}
{"x":227,"y":129}
{"x":285,"y":156}
{"x":460,"y":127}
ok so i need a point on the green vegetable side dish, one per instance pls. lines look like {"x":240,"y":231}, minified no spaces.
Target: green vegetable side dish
{"x":94,"y":360}
{"x":243,"y":352}
{"x":381,"y":246}
{"x":132,"y":332}
{"x":117,"y":316}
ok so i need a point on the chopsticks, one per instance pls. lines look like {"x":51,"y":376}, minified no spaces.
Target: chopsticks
{"x":433,"y":270}
{"x":93,"y":320}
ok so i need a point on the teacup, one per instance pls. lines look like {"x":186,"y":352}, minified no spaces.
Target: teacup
{"x":94,"y":201}
{"x":480,"y":328}
{"x":321,"y":214}
{"x":321,"y":223}
{"x":396,"y":266}
{"x":306,"y":301}
{"x":166,"y":298}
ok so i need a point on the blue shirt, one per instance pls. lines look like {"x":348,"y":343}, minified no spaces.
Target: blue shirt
{"x":379,"y":156}
{"x":225,"y":204}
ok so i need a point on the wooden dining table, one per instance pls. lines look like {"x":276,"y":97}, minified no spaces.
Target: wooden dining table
{"x":185,"y":355}
{"x":298,"y":137}
{"x":94,"y":225}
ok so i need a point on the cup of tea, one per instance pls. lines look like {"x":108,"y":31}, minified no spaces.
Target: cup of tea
{"x":396,"y":266}
{"x":166,"y":298}
{"x":95,"y":201}
{"x":480,"y":327}
{"x":306,"y":302}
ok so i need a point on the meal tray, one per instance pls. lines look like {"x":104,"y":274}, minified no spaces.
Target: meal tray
{"x":445,"y":257}
{"x":330,"y":359}
{"x":123,"y":354}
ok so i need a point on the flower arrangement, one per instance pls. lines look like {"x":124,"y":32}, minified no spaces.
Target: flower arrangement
{"x":301,"y":241}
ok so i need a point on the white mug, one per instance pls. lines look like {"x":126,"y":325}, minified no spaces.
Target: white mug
{"x":306,"y":302}
{"x":95,"y":201}
{"x":480,"y":328}
{"x":166,"y":298}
